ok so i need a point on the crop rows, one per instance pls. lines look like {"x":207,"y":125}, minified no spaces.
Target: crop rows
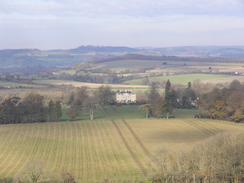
{"x":133,"y":133}
{"x":90,"y":150}
{"x":204,"y":128}
{"x":133,"y":144}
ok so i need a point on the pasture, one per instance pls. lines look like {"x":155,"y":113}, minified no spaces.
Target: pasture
{"x":171,"y":66}
{"x":115,"y":146}
{"x":185,"y":78}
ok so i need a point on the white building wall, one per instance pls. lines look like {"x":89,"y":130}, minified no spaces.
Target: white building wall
{"x":125,"y":97}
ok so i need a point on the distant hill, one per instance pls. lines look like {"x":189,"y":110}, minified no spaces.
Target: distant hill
{"x":168,"y":58}
{"x":203,"y":51}
{"x":107,"y":49}
{"x":13,"y":60}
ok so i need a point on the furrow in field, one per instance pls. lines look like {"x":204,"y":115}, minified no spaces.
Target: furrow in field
{"x":75,"y":150}
{"x":38,"y":133}
{"x":81,"y":150}
{"x":69,"y":148}
{"x":116,"y":143}
{"x":7,"y":142}
{"x":202,"y":129}
{"x":49,"y":146}
{"x":62,"y":148}
{"x":40,"y":151}
{"x":137,"y":149}
{"x":208,"y":125}
{"x":5,"y":139}
{"x":15,"y":147}
{"x":100,"y":147}
{"x":88,"y":159}
{"x":210,"y":128}
{"x":145,"y":150}
{"x":116,"y":149}
{"x":24,"y":155}
{"x":56,"y":159}
{"x":85,"y":154}
{"x":95,"y":157}
{"x":36,"y":147}
{"x":125,"y":165}
{"x":133,"y":155}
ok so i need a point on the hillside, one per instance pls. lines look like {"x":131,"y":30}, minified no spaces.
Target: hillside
{"x":104,"y":49}
{"x":169,"y":58}
{"x":117,"y":147}
{"x":33,"y":61}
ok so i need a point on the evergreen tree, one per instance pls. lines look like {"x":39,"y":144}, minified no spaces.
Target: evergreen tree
{"x":58,"y":110}
{"x":188,"y":96}
{"x":10,"y":112}
{"x":153,"y":97}
{"x":167,"y":91}
{"x":34,"y":109}
{"x":51,"y":111}
{"x":167,"y":105}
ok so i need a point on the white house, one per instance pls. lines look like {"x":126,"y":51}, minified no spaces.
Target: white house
{"x":125,"y":96}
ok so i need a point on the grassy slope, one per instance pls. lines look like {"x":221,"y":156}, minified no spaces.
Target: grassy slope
{"x":180,"y":79}
{"x":95,"y":150}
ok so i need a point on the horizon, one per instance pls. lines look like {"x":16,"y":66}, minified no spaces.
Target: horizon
{"x":141,"y":47}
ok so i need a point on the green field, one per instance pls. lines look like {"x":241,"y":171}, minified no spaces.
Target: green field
{"x":117,"y":146}
{"x":181,"y":79}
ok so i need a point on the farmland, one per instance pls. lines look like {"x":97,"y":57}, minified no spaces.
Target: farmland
{"x":184,"y":79}
{"x":90,"y":85}
{"x":170,"y":66}
{"x":116,"y":146}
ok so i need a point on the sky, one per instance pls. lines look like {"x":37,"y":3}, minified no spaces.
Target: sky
{"x":65,"y":24}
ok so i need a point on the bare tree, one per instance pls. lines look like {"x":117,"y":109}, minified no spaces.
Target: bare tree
{"x":91,"y":103}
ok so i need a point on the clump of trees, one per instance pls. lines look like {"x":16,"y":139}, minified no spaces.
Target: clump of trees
{"x":224,"y":104}
{"x":162,"y":105}
{"x":217,"y":159}
{"x":89,"y":100}
{"x":29,"y":109}
{"x":34,"y":108}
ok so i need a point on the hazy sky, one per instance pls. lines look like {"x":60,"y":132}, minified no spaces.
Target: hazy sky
{"x":51,"y":24}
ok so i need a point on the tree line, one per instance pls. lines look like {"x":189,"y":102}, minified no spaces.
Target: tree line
{"x":29,"y":109}
{"x":162,"y":105}
{"x":85,"y":99}
{"x":133,"y":56}
{"x":224,"y":104}
{"x":33,"y":107}
{"x":215,"y":103}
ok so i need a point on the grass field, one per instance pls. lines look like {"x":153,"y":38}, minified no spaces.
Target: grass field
{"x":171,"y":66}
{"x":184,"y":79}
{"x":90,"y":85}
{"x":116,"y":146}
